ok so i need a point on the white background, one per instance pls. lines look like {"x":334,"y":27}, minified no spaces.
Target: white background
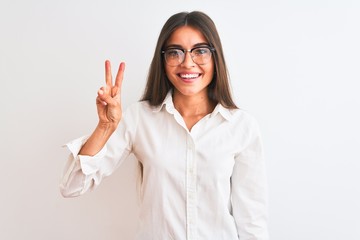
{"x":293,"y":64}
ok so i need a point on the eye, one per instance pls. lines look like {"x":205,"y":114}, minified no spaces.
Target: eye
{"x":200,"y":51}
{"x":173,"y":53}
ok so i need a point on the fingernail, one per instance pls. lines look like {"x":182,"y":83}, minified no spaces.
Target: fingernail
{"x":101,"y":92}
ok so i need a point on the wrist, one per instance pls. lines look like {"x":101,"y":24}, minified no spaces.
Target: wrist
{"x":107,"y":127}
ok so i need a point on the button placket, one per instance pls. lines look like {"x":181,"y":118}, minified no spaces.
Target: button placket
{"x":191,"y":196}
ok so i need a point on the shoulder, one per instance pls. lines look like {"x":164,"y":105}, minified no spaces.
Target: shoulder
{"x":243,"y":123}
{"x":243,"y":116}
{"x":134,"y":114}
{"x":139,"y":109}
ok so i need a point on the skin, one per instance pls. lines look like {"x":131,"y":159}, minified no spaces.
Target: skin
{"x":190,"y":95}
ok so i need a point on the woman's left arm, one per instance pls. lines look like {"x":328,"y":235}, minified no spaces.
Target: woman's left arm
{"x":249,"y":188}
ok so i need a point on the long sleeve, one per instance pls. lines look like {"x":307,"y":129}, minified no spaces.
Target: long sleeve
{"x":249,"y":189}
{"x":83,"y":173}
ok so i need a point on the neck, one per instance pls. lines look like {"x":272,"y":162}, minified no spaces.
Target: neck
{"x":192,"y":106}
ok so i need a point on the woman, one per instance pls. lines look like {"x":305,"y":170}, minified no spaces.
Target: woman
{"x":201,"y":161}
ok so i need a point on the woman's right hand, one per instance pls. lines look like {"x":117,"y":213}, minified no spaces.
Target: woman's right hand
{"x":108,"y":101}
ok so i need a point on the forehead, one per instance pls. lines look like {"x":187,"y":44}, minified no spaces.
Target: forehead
{"x":186,"y":37}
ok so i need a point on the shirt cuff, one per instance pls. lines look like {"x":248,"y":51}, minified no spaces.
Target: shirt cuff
{"x":89,"y":164}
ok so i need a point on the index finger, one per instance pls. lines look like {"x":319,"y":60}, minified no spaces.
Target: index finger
{"x":108,"y":76}
{"x":120,"y":75}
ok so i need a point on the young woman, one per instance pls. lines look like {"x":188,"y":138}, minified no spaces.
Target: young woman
{"x":202,"y":169}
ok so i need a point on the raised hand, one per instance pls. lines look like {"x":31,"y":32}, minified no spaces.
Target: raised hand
{"x":108,"y":101}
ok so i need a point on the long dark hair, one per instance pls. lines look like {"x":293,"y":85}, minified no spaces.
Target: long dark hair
{"x":158,"y":85}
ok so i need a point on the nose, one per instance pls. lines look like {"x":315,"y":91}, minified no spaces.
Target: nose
{"x":188,"y":62}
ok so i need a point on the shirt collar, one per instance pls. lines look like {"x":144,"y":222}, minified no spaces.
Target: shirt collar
{"x":169,"y":105}
{"x":224,"y":112}
{"x":167,"y":102}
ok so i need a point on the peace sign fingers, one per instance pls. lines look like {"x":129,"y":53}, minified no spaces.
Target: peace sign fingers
{"x":109,"y":100}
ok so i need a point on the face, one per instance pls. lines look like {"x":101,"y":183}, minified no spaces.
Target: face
{"x":189,"y":78}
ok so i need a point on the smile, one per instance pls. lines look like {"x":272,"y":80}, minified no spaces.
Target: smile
{"x":189,"y":75}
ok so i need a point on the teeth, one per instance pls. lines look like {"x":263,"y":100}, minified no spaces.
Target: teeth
{"x":189,"y":75}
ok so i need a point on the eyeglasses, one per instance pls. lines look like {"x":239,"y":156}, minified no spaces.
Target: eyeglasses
{"x":200,"y":55}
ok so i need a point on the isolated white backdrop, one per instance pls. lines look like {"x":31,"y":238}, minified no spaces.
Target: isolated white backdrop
{"x":294,"y":65}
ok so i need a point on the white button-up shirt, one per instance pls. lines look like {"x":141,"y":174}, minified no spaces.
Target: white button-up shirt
{"x":208,"y":183}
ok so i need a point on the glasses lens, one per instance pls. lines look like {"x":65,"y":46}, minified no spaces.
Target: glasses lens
{"x":201,"y":55}
{"x":174,"y":57}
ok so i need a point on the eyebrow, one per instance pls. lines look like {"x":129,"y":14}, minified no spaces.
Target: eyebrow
{"x":194,"y":46}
